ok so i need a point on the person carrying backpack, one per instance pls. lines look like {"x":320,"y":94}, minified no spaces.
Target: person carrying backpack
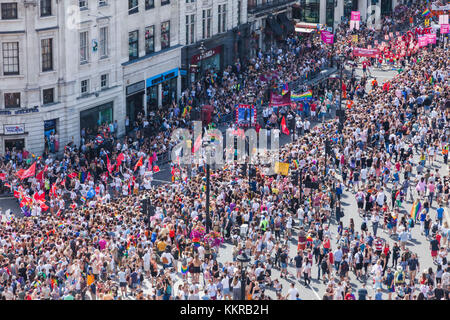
{"x":399,"y":276}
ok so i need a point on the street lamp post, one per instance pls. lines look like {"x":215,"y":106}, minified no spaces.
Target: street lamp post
{"x":244,"y":260}
{"x":208,"y":218}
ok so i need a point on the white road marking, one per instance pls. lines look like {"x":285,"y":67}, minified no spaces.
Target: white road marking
{"x":318,"y":298}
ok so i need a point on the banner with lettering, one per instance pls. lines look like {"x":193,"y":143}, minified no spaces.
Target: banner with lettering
{"x":280,"y":100}
{"x":361,"y":52}
{"x":431,"y":38}
{"x":423,"y":41}
{"x":443,"y":19}
{"x":444,"y":28}
{"x":327,"y":37}
{"x":356,"y":16}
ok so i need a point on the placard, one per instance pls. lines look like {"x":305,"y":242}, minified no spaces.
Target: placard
{"x":423,"y":41}
{"x":355,"y":16}
{"x":431,"y":38}
{"x":444,"y":28}
{"x":443,"y":19}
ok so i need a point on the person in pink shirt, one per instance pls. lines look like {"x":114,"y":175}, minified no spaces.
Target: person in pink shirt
{"x":431,"y":188}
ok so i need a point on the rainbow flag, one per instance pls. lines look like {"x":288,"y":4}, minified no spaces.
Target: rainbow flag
{"x":295,"y":164}
{"x":184,"y":269}
{"x":304,"y":96}
{"x":41,"y":242}
{"x":184,"y":112}
{"x":61,"y":225}
{"x":204,"y":188}
{"x":415,"y":209}
{"x":196,"y":242}
{"x":285,"y":89}
{"x":426,"y":13}
{"x":83,"y":199}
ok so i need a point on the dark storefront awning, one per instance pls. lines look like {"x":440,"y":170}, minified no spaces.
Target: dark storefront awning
{"x":288,"y":25}
{"x":275,"y":26}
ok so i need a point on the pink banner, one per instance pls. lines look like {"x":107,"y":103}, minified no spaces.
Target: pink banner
{"x":444,"y":28}
{"x":327,"y":37}
{"x":360,"y":52}
{"x":423,"y":42}
{"x":431,"y":38}
{"x":356,"y":16}
{"x":443,"y":19}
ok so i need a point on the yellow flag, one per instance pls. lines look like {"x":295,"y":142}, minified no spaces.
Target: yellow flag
{"x":282,"y":168}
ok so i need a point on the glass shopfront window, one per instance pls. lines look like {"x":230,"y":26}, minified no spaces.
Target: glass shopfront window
{"x":330,"y":13}
{"x":152,"y":98}
{"x":91,"y":119}
{"x":169,"y":91}
{"x":210,"y":63}
{"x":310,"y":10}
{"x":349,"y":6}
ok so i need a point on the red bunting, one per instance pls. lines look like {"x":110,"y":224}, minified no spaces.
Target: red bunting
{"x":284,"y":128}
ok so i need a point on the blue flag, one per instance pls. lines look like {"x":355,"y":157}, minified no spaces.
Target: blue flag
{"x":91,"y":193}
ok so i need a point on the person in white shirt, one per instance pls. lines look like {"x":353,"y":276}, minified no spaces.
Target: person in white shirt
{"x":292,"y":292}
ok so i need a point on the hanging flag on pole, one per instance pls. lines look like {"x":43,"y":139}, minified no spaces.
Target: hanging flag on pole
{"x":284,"y":128}
{"x":138,"y":164}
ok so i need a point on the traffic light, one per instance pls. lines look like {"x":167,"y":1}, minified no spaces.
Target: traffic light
{"x":294,"y":177}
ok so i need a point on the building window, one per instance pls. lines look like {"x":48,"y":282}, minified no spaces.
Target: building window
{"x":104,"y":81}
{"x":190,"y":1}
{"x":165,"y":35}
{"x":133,"y":45}
{"x":164,"y":2}
{"x":330,"y":13}
{"x":206,"y":23}
{"x":47,"y":54}
{"x":104,"y":42}
{"x":190,"y":27}
{"x":84,"y":87}
{"x":83,"y":4}
{"x":83,"y":47}
{"x":48,"y":95}
{"x":149,"y":4}
{"x":102,"y":3}
{"x":222,"y":15}
{"x":46,"y":8}
{"x":149,"y":39}
{"x":133,"y":6}
{"x":10,"y":58}
{"x":239,"y":12}
{"x":310,"y":10}
{"x":9,"y":10}
{"x":12,"y":100}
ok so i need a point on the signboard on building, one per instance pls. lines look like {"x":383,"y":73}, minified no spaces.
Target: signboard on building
{"x":9,"y":129}
{"x":207,"y":54}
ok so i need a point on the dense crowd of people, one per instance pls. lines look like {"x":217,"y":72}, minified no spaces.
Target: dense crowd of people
{"x":84,"y":234}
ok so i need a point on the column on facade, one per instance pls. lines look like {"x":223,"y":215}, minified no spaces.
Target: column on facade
{"x":323,"y":12}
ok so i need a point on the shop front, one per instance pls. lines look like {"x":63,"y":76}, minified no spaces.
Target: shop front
{"x":14,"y":137}
{"x":91,"y":119}
{"x":162,"y":89}
{"x":135,"y":100}
{"x":209,"y":60}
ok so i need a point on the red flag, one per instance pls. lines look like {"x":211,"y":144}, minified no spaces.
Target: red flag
{"x":17,"y":194}
{"x":31,"y":171}
{"x":284,"y":128}
{"x":88,"y":176}
{"x":120,"y":158}
{"x":2,"y":176}
{"x":156,"y":169}
{"x":40,"y":175}
{"x":197,"y":144}
{"x":108,"y":165}
{"x":20,"y":172}
{"x":73,"y":175}
{"x":45,"y":168}
{"x":138,"y":164}
{"x":97,"y":190}
{"x":39,"y":196}
{"x":73,"y":206}
{"x":53,"y":190}
{"x":44,"y":207}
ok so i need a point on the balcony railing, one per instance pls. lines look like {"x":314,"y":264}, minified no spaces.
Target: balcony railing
{"x":255,"y":6}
